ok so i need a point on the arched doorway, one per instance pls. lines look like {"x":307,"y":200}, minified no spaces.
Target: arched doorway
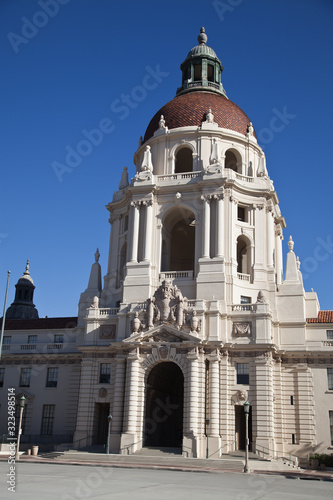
{"x":164,"y":406}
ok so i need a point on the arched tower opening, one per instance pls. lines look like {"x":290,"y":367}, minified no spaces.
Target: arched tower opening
{"x":243,"y":255}
{"x":233,"y":161}
{"x":184,"y":160}
{"x":178,"y":240}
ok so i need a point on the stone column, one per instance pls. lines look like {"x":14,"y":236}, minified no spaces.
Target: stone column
{"x":191,"y":402}
{"x":118,"y":396}
{"x":206,"y":226}
{"x":227,"y":409}
{"x":264,"y":408}
{"x":270,"y":237}
{"x":219,"y":226}
{"x":305,"y":405}
{"x":114,"y":239}
{"x":135,"y":219}
{"x":148,"y":230}
{"x":278,"y":256}
{"x":214,"y":396}
{"x":129,"y":439}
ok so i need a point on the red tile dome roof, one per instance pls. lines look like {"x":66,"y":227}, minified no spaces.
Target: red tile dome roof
{"x":189,"y":109}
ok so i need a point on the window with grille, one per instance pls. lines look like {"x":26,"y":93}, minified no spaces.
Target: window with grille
{"x":32,"y":339}
{"x":243,"y":376}
{"x":47,"y":420}
{"x":25,"y":377}
{"x":330,"y":378}
{"x":58,"y":339}
{"x":104,"y":374}
{"x":52,"y":377}
{"x":7,"y":340}
{"x":329,"y":334}
{"x":2,"y":376}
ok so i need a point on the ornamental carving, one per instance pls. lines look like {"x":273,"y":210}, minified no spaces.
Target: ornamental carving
{"x":167,"y":305}
{"x":102,"y":393}
{"x":239,"y":397}
{"x":242,"y":329}
{"x":107,"y":332}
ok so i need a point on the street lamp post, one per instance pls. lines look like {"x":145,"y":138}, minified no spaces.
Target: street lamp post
{"x":22,"y":403}
{"x":109,"y":429}
{"x":207,"y":434}
{"x":246,"y":411}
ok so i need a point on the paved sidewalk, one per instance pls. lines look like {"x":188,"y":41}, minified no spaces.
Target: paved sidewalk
{"x":176,"y":463}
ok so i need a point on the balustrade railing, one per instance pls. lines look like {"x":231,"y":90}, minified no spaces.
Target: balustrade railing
{"x":244,"y":277}
{"x":176,"y":275}
{"x":244,"y":307}
{"x":180,"y":176}
{"x":108,"y":311}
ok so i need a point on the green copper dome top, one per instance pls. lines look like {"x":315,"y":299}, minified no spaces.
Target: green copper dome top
{"x":201,"y":69}
{"x":202,"y":48}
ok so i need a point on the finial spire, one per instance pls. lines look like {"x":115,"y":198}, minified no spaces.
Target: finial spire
{"x":27,"y":268}
{"x":202,"y":38}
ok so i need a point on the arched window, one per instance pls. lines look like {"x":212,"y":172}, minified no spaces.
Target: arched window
{"x":232,"y":162}
{"x":184,"y":161}
{"x":178,"y":244}
{"x":243,"y":255}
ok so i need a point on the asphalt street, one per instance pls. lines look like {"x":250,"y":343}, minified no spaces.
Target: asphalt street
{"x":69,"y":482}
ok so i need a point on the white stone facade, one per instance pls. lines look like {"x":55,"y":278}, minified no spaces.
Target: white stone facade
{"x":196,"y":315}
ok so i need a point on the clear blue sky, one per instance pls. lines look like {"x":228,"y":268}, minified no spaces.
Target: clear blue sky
{"x":63,"y":77}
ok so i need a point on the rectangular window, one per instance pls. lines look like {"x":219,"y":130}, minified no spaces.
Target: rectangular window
{"x":104,"y":374}
{"x":329,"y":334}
{"x":331,"y":426}
{"x":7,"y":340}
{"x":58,"y":339}
{"x":47,"y":420}
{"x":243,"y":376}
{"x":292,"y":400}
{"x":330,"y":378}
{"x":242,"y":213}
{"x":52,"y":377}
{"x":2,"y":376}
{"x":210,"y":73}
{"x":25,"y":377}
{"x":245,"y":300}
{"x":32,"y":339}
{"x":293,"y":440}
{"x":197,"y":72}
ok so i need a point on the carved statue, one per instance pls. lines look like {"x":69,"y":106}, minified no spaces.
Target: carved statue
{"x":161,"y":123}
{"x":95,"y":302}
{"x":261,"y":299}
{"x":209,"y":116}
{"x":195,"y":322}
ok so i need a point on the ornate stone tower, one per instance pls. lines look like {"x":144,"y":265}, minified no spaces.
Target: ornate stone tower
{"x":194,"y":292}
{"x":23,"y":306}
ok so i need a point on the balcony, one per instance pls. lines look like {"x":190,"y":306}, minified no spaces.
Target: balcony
{"x":108,"y":311}
{"x":244,"y":277}
{"x":28,"y":347}
{"x":244,"y":308}
{"x":186,"y":176}
{"x":175,"y":275}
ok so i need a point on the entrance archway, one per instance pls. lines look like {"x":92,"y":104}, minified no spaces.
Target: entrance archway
{"x":164,"y":406}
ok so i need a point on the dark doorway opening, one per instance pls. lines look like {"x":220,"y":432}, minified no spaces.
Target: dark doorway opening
{"x":164,"y":406}
{"x":240,"y":428}
{"x":102,"y":411}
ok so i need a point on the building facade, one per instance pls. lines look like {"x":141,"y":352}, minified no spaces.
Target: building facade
{"x":197,"y":314}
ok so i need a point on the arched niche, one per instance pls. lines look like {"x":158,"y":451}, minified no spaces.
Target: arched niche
{"x":178,"y":240}
{"x":233,"y":160}
{"x":184,"y":160}
{"x":243,"y":255}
